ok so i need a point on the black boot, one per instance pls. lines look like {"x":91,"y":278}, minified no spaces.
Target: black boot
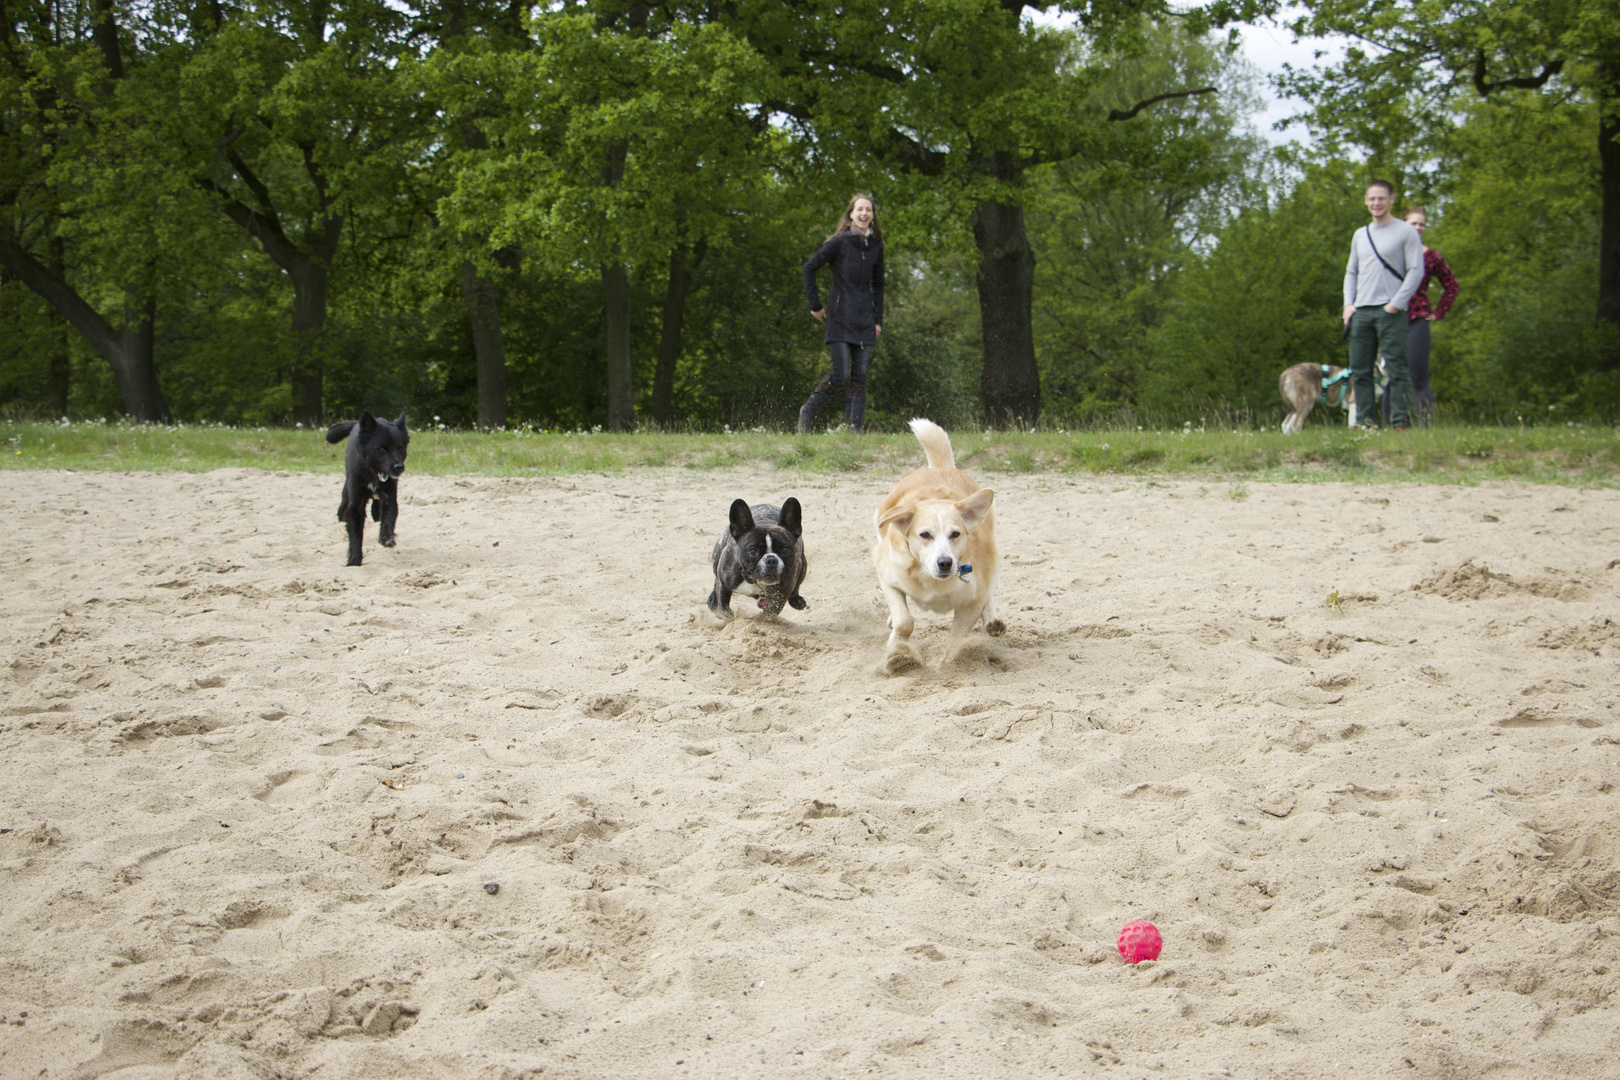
{"x":855,"y":413}
{"x":807,"y":413}
{"x":1425,"y":407}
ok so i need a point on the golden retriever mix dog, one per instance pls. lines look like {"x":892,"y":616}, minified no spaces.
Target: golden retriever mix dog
{"x":936,"y":547}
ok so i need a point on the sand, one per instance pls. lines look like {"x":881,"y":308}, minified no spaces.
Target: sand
{"x":256,"y":804}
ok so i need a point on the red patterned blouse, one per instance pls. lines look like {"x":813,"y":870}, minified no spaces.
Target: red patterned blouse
{"x":1434,"y":268}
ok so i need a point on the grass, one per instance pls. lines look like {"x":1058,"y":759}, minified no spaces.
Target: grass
{"x":1450,"y":454}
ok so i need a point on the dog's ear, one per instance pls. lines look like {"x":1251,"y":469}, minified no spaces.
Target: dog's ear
{"x":792,"y":517}
{"x":976,"y":507}
{"x":900,"y":517}
{"x":368,"y":423}
{"x":742,"y":519}
{"x":400,"y":423}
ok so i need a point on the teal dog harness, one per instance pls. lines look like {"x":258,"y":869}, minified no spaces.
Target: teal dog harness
{"x":1339,"y":382}
{"x":1342,"y":384}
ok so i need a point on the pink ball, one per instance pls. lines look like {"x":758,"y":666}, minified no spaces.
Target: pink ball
{"x":1140,"y":941}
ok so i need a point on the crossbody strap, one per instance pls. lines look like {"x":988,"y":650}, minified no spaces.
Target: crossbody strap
{"x":1379,"y":256}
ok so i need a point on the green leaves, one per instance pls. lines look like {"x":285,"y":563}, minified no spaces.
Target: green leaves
{"x":1115,"y":230}
{"x":603,"y":140}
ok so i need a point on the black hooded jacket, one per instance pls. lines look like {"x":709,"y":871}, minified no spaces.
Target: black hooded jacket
{"x":855,"y":295}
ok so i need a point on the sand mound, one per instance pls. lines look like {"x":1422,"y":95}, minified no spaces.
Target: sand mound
{"x":1470,"y":582}
{"x":1595,"y":636}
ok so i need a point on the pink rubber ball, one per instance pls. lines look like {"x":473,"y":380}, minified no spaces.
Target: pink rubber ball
{"x":1140,"y":941}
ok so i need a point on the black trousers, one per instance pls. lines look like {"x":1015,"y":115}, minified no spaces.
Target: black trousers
{"x":1417,"y":362}
{"x":850,"y":361}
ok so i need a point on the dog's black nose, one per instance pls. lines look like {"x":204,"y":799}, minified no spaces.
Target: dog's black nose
{"x":945,"y":565}
{"x":398,"y":467}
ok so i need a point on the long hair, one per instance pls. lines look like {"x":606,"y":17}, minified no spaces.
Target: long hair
{"x":846,"y":224}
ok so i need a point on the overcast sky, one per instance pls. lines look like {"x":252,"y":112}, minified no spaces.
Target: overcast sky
{"x":1268,"y":46}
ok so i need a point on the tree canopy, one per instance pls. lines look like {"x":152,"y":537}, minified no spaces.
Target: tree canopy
{"x":593,"y":213}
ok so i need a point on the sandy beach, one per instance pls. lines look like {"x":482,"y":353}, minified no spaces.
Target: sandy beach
{"x":505,"y":802}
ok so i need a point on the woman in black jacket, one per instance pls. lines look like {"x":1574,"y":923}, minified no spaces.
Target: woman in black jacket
{"x":854,"y":312}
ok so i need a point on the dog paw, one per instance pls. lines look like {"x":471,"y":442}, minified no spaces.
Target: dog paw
{"x":387,"y":543}
{"x":995,"y":628}
{"x":901,"y":661}
{"x":352,"y":562}
{"x":799,"y":603}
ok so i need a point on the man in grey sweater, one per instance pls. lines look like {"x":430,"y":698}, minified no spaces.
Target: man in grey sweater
{"x":1385,"y":269}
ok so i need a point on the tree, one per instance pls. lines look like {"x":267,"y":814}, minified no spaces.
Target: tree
{"x":470,"y":30}
{"x":1413,"y":62}
{"x":612,"y":146}
{"x":66,"y":116}
{"x":1114,"y":234}
{"x":1521,"y":340}
{"x":961,"y":101}
{"x":300,"y":133}
{"x":1264,"y":297}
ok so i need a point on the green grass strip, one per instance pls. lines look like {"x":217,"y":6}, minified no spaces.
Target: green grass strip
{"x":1574,"y":455}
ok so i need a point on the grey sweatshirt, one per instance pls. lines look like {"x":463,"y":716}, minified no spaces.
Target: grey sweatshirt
{"x":1367,"y":283}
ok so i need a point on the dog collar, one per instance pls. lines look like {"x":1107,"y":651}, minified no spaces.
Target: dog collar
{"x":964,"y":570}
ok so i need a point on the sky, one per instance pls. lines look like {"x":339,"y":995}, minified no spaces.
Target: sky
{"x":1268,"y":46}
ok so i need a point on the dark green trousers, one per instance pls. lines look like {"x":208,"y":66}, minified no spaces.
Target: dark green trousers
{"x":1373,"y":329}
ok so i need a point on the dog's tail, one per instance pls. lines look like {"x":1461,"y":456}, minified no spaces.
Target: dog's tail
{"x":340,"y":431}
{"x":935,"y":443}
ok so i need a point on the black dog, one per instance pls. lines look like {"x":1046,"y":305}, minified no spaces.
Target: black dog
{"x":371,"y":469}
{"x":761,"y":554}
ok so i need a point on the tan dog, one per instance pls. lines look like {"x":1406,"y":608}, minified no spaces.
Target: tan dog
{"x":936,"y":547}
{"x":1303,"y":385}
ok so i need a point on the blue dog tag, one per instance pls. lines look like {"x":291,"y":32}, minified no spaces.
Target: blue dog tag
{"x":964,"y":571}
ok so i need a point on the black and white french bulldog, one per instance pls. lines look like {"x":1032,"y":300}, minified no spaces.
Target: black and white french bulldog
{"x":372,"y":465}
{"x":761,"y":553}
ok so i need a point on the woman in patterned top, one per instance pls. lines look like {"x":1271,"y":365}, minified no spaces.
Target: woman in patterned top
{"x":1420,"y":314}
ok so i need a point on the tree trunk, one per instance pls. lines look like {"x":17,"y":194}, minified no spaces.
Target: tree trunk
{"x":1608,"y":304}
{"x":309,"y":278}
{"x":137,"y":375}
{"x":1010,"y":386}
{"x":616,"y":308}
{"x":104,"y":31}
{"x":489,"y":351}
{"x":309,"y":270}
{"x":127,"y":350}
{"x":479,"y":293}
{"x":61,"y":378}
{"x":681,"y":268}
